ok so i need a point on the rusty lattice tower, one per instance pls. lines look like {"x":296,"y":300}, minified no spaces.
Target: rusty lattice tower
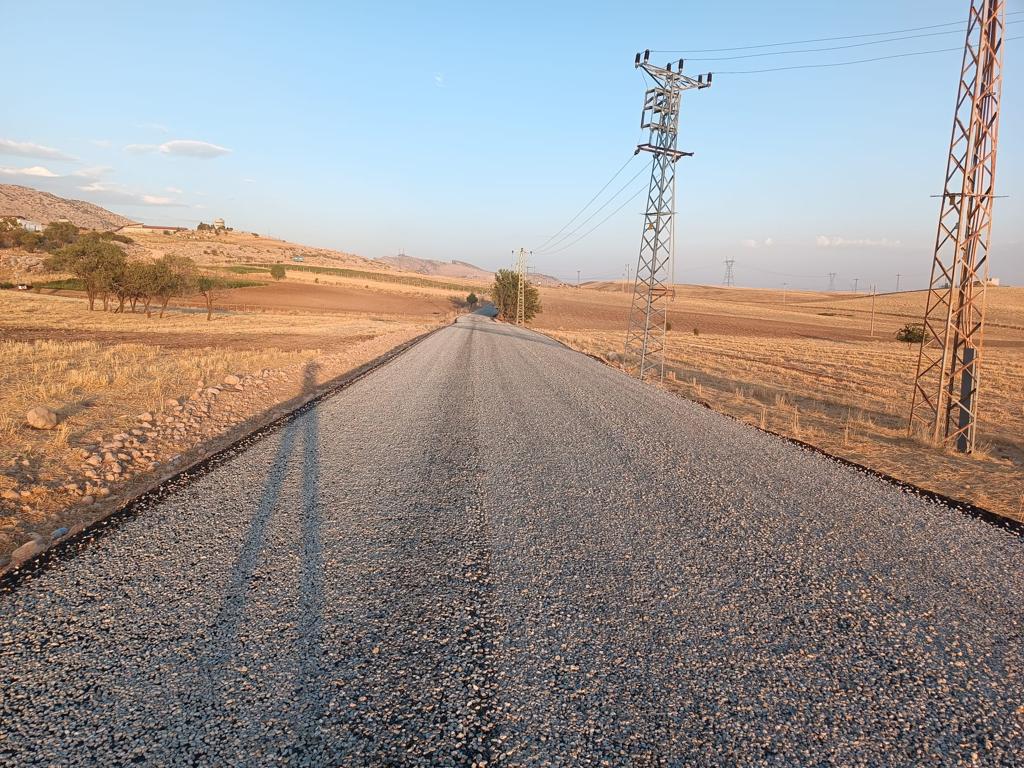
{"x":652,"y":288}
{"x":945,"y":398}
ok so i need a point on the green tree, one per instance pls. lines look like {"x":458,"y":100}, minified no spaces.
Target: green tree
{"x":99,"y":264}
{"x":472,"y":300}
{"x":173,"y":275}
{"x":277,"y":271}
{"x":504,"y":294}
{"x":210,"y":287}
{"x":912,"y":333}
{"x":59,"y":234}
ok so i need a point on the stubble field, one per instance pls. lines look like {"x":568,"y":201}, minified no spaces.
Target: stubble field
{"x":819,"y":369}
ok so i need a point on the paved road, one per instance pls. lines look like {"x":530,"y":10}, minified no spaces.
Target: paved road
{"x":494,"y":550}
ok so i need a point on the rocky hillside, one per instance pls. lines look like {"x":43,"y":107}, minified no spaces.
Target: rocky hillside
{"x":436,"y":268}
{"x":44,"y":208}
{"x":452,"y":269}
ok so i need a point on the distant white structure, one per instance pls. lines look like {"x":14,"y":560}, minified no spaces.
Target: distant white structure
{"x":28,"y":224}
{"x":992,"y":282}
{"x":219,"y":224}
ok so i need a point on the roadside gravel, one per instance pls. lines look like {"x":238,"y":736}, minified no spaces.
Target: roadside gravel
{"x":495,"y":551}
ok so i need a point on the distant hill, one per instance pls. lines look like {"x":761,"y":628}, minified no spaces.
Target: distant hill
{"x":43,"y":207}
{"x":436,"y":268}
{"x":452,"y":269}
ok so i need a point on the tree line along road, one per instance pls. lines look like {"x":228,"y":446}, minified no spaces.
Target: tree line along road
{"x":495,"y":551}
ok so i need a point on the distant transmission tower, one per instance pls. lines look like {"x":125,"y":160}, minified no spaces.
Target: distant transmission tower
{"x":945,"y":399}
{"x":832,"y":281}
{"x":521,"y":287}
{"x":728,"y":279}
{"x":648,"y":315}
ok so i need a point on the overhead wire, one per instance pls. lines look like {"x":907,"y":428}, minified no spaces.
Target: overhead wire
{"x":591,"y":200}
{"x":554,"y":246}
{"x":628,"y":200}
{"x":818,"y":39}
{"x":848,"y":63}
{"x":837,"y":47}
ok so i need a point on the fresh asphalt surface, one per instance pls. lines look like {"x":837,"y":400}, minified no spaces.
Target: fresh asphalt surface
{"x":496,"y":550}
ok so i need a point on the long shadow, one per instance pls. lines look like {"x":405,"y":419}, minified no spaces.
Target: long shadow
{"x":311,"y":578}
{"x":224,"y":632}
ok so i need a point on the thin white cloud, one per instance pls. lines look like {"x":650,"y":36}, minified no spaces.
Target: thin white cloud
{"x":180,"y":148}
{"x":28,"y":149}
{"x":101,"y":143}
{"x":827,"y":241}
{"x":174,"y":190}
{"x":92,"y":172}
{"x":751,"y":243}
{"x":748,"y":243}
{"x":439,"y":79}
{"x":158,"y":127}
{"x":116,"y":193}
{"x":192,"y":148}
{"x":35,"y":170}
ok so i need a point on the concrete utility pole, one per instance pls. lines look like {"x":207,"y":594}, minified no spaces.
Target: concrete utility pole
{"x":856,"y":280}
{"x":784,"y":292}
{"x":945,"y":397}
{"x":728,"y":280}
{"x":577,"y":278}
{"x":898,"y":276}
{"x":648,"y":315}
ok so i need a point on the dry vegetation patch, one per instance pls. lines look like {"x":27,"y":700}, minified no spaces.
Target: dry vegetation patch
{"x":100,"y":371}
{"x":812,"y":370}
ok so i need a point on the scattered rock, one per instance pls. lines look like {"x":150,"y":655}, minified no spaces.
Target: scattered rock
{"x":87,"y":500}
{"x":10,"y":495}
{"x":58,"y":533}
{"x":146,"y":417}
{"x":27,"y":551}
{"x":231,"y":380}
{"x":41,"y":417}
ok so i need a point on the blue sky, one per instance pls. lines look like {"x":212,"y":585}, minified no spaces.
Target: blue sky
{"x":464,"y":130}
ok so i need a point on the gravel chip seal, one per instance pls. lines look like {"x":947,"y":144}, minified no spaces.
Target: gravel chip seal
{"x":495,"y":551}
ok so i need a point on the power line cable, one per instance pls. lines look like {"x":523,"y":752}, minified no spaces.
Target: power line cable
{"x":602,"y":221}
{"x":838,"y":47}
{"x":596,"y":211}
{"x":848,"y":63}
{"x":818,"y":39}
{"x":591,"y":200}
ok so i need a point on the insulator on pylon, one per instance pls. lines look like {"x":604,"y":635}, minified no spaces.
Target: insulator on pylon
{"x":680,"y":65}
{"x":636,"y":63}
{"x":647,"y":55}
{"x":700,"y":79}
{"x":709,"y":78}
{"x":668,"y":67}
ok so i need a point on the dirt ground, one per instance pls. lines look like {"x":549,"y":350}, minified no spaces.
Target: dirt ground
{"x":823,"y":368}
{"x":100,"y":370}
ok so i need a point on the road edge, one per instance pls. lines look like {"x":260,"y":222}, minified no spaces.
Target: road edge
{"x":1009,"y":524}
{"x":198,"y":462}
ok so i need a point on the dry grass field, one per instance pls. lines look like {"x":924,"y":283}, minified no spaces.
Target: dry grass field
{"x":99,"y":371}
{"x":818,"y":369}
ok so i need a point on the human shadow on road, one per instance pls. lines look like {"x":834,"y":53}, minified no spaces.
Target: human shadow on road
{"x":225,"y":645}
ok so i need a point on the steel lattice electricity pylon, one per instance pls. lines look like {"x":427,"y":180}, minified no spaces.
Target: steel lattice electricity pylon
{"x":652,"y":289}
{"x":521,"y":287}
{"x":729,"y":280}
{"x":945,"y":399}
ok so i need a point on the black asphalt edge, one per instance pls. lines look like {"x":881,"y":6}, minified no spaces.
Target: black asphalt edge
{"x":69,"y":545}
{"x":1015,"y":527}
